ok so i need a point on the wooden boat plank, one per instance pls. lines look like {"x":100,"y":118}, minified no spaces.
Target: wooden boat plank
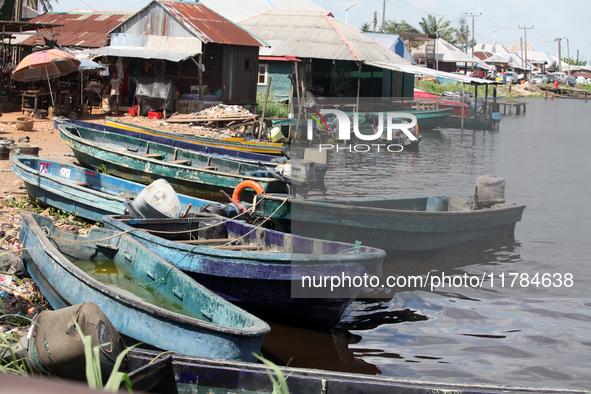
{"x":224,"y":330}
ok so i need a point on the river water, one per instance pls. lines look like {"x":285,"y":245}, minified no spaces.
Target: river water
{"x":519,"y":335}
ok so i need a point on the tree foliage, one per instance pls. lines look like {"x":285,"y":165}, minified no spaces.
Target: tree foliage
{"x":399,"y":27}
{"x":365,"y":27}
{"x":438,"y":27}
{"x":574,"y":62}
{"x":40,"y":4}
{"x":7,"y":10}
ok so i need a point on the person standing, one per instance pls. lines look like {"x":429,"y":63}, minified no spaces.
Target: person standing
{"x":114,"y":85}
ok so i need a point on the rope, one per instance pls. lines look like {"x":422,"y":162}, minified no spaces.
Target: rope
{"x":85,"y":241}
{"x":162,"y":354}
{"x":355,"y":248}
{"x":256,"y":227}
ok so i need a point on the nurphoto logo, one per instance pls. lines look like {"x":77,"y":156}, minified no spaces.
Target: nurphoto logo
{"x":398,"y":125}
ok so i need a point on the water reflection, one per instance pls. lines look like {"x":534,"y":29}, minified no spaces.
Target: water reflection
{"x":292,"y":346}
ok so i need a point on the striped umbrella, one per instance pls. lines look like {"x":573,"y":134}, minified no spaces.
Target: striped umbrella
{"x":48,"y":64}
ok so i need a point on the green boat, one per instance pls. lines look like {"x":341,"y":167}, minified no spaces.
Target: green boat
{"x":406,"y":224}
{"x":143,"y":161}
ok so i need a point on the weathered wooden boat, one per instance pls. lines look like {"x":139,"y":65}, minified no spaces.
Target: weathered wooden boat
{"x":173,"y":373}
{"x":167,"y":139}
{"x":409,"y":224}
{"x":82,"y":192}
{"x":142,"y":295}
{"x":261,"y":270}
{"x":143,"y":161}
{"x":238,"y":144}
{"x":455,"y":122}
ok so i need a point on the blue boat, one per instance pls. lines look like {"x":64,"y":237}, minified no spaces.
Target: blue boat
{"x":82,"y":192}
{"x":142,"y":295}
{"x":142,"y":161}
{"x":249,"y":157}
{"x":262,"y":270}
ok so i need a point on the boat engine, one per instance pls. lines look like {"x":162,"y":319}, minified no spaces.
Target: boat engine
{"x":490,"y":190}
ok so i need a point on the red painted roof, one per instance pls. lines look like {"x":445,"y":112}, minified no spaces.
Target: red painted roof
{"x":280,"y":58}
{"x":83,"y":29}
{"x":208,"y":25}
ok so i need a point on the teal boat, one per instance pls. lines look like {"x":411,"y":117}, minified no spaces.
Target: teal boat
{"x":145,"y":297}
{"x":143,"y":161}
{"x":407,"y":224}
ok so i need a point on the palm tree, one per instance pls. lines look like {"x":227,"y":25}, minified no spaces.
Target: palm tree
{"x":45,"y":4}
{"x":439,"y":27}
{"x":397,"y":28}
{"x":461,"y":39}
{"x":365,"y":27}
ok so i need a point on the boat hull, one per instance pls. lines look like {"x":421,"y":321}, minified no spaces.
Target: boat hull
{"x":82,"y":192}
{"x":109,"y":152}
{"x":402,"y":224}
{"x":245,"y":146}
{"x":230,"y":334}
{"x":178,"y":142}
{"x":239,"y":276}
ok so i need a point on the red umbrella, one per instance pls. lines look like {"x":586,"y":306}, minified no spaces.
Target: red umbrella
{"x":48,"y":64}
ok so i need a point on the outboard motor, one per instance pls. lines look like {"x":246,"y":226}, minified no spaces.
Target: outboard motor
{"x":490,"y":190}
{"x":156,"y":201}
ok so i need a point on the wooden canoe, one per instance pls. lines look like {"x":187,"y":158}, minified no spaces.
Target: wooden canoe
{"x":71,"y":269}
{"x":80,"y":191}
{"x":262,"y":270}
{"x":270,"y":148}
{"x":144,"y":161}
{"x":169,"y":139}
{"x":410,"y":224}
{"x":182,"y":374}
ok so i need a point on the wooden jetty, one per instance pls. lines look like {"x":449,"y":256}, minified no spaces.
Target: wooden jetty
{"x":516,"y":107}
{"x":570,"y":93}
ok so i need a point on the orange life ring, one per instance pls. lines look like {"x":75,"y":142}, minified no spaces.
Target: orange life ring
{"x":246,"y":185}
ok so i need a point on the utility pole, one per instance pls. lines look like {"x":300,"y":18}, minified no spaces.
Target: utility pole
{"x":559,"y":61}
{"x":568,"y":56}
{"x":525,"y":40}
{"x":521,"y":46}
{"x":472,"y":15}
{"x":384,"y":17}
{"x":375,"y":20}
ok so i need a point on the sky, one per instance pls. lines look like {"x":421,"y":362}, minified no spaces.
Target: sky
{"x":498,"y":19}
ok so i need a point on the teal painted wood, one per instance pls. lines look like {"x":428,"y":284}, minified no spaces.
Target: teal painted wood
{"x":218,"y":330}
{"x":398,"y":224}
{"x":82,"y":192}
{"x":125,"y":157}
{"x":263,"y":279}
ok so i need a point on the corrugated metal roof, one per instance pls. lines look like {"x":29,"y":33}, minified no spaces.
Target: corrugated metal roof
{"x":143,"y":53}
{"x":390,"y":41}
{"x":182,"y":19}
{"x":238,"y":10}
{"x":412,"y":69}
{"x":316,"y":34}
{"x":84,"y":29}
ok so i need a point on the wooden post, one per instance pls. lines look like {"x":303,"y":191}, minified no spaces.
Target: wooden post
{"x":485,"y":99}
{"x":358,"y":87}
{"x":463,"y":95}
{"x":200,"y":77}
{"x":264,"y":107}
{"x":290,"y":111}
{"x":297,"y":88}
{"x":475,"y":104}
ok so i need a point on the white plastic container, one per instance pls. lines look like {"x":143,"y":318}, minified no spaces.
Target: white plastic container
{"x":158,"y":200}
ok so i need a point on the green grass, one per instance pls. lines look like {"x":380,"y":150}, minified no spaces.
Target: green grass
{"x":274,"y":108}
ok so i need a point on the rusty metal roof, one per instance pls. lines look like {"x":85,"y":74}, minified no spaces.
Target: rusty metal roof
{"x":82,"y":29}
{"x":208,"y":25}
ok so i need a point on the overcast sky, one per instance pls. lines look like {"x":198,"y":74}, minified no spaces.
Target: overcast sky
{"x":550,"y":19}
